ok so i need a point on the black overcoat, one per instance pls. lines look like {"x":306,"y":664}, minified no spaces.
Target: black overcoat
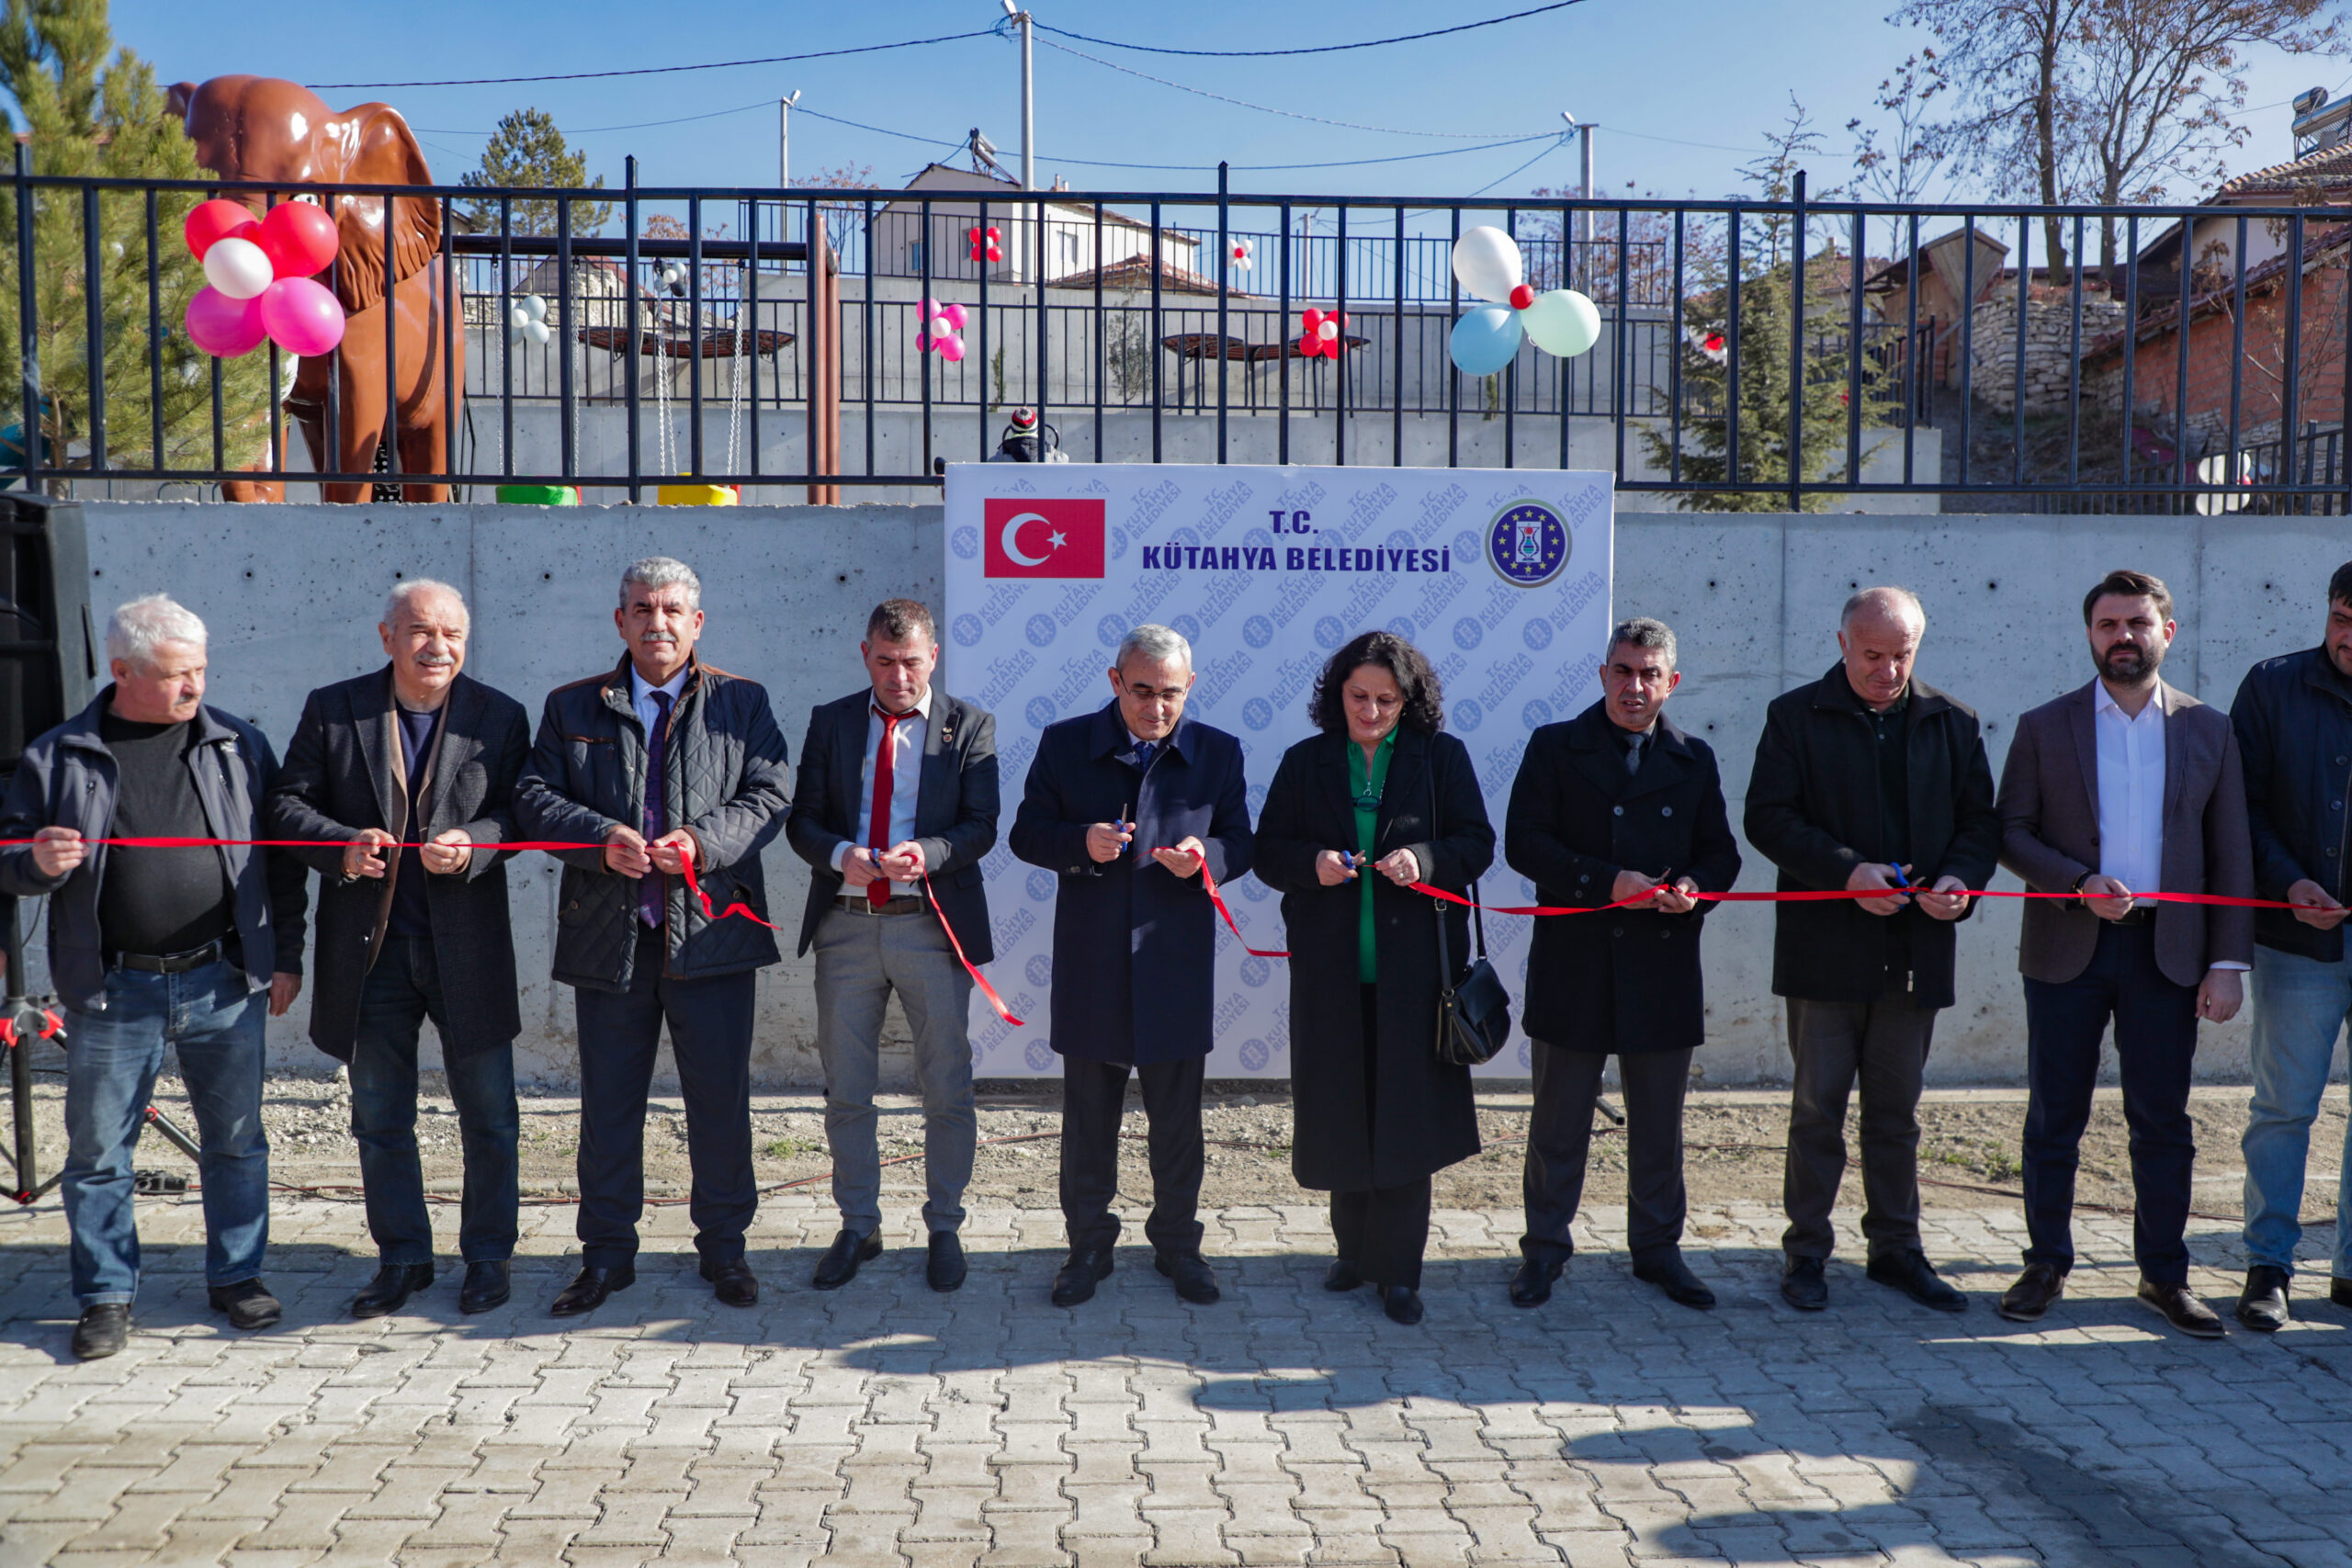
{"x":1813,"y":800}
{"x":1628,"y":980}
{"x":1427,"y":1119}
{"x":345,"y":770}
{"x":1135,"y":944}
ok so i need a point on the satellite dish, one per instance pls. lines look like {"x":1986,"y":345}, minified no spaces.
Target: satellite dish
{"x":2309,"y":100}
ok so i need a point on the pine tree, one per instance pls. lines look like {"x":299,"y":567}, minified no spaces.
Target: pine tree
{"x":527,"y":150}
{"x":87,"y":114}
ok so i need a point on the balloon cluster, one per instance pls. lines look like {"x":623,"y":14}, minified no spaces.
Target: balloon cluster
{"x":984,"y":242}
{"x":1242,"y":255}
{"x":943,"y":334}
{"x":260,"y":279}
{"x":1560,"y":321}
{"x":1321,"y":334}
{"x":528,"y":321}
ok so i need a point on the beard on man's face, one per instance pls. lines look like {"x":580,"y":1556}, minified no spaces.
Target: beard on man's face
{"x":2130,"y":662}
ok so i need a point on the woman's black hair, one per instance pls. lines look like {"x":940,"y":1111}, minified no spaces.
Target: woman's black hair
{"x":1424,"y":700}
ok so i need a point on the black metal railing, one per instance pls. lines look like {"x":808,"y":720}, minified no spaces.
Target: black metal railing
{"x":1748,"y":353}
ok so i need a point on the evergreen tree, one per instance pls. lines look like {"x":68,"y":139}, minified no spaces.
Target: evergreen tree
{"x":87,"y":114}
{"x":527,"y":150}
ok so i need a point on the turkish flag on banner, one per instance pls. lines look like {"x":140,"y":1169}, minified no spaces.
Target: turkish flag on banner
{"x":1026,"y":538}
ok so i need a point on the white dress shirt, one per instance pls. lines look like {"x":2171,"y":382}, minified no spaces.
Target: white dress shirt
{"x":640,"y":695}
{"x":2131,"y":794}
{"x":908,"y":738}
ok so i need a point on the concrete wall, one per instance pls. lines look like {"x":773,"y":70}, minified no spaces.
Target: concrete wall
{"x":292,"y":594}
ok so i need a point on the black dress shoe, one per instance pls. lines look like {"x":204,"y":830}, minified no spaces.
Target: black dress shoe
{"x":390,"y":1289}
{"x":945,"y":1269}
{"x":1342,"y":1276}
{"x":1673,"y":1276}
{"x":839,"y":1266}
{"x":1531,"y":1286}
{"x":2041,"y":1285}
{"x":1910,"y":1273}
{"x":1196,"y":1280}
{"x":732,"y":1282}
{"x":248,"y":1304}
{"x":1401,"y":1303}
{"x":488,"y":1284}
{"x":1805,"y":1285}
{"x":2183,"y":1310}
{"x":104,"y":1329}
{"x":2339,"y":1290}
{"x":2262,"y":1305}
{"x":1086,"y":1268}
{"x":590,"y":1287}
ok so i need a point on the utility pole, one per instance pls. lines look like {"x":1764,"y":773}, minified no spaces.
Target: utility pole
{"x":784,"y":140}
{"x":1584,"y":138}
{"x":1021,"y":19}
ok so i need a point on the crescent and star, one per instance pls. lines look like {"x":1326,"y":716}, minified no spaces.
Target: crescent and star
{"x":1009,"y":539}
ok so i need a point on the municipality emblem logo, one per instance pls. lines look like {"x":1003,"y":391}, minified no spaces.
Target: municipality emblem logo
{"x":1528,"y":544}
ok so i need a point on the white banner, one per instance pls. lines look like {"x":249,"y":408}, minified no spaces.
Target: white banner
{"x":1501,"y":576}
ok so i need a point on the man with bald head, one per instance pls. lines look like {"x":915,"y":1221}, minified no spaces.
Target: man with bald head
{"x":418,"y":753}
{"x":1871,"y":783}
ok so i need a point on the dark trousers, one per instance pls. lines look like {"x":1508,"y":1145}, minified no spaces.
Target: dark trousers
{"x":1882,"y":1047}
{"x":1094,"y":1097}
{"x":1384,"y":1231}
{"x":400,"y":992}
{"x":2155,"y":1040}
{"x":1559,"y":1137}
{"x":711,"y":1036}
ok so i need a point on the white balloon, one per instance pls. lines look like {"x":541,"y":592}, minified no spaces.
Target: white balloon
{"x":534,"y":306}
{"x":1487,"y":262}
{"x":238,"y":268}
{"x":518,"y":318}
{"x":536,"y":332}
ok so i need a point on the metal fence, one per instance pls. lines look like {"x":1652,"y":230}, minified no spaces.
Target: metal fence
{"x":1749,"y":354}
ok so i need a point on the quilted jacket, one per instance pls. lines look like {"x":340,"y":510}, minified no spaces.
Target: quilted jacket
{"x":727,"y":780}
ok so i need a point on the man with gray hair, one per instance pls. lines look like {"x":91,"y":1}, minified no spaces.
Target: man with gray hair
{"x":164,"y":947}
{"x":417,"y":754}
{"x":665,"y":761}
{"x":1870,"y":783}
{"x":1125,"y":806}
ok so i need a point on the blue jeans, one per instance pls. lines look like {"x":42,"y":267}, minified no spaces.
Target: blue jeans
{"x":400,"y":992}
{"x":2300,"y":1005}
{"x":111,"y":1059}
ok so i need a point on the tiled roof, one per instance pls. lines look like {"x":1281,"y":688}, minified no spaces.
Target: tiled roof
{"x":2328,"y":167}
{"x":2259,"y":279}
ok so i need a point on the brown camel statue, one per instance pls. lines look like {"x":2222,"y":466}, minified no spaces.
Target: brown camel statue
{"x":281,"y":135}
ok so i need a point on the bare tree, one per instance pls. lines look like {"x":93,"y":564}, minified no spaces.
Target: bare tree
{"x":2106,"y":100}
{"x":841,"y":217}
{"x":1900,"y":170}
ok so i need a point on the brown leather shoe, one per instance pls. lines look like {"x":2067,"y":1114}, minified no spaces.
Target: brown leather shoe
{"x":2039,"y":1286}
{"x":2183,"y":1310}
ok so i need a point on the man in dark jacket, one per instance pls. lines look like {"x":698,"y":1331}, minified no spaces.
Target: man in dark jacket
{"x":1866,"y":781}
{"x":1125,"y":805}
{"x":157,"y":947}
{"x":417,"y":753}
{"x":898,"y":803}
{"x":664,"y":760}
{"x":1616,"y":804}
{"x":2293,"y":718}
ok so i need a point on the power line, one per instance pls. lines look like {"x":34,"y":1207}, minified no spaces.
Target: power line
{"x":1319,"y":49}
{"x":663,"y":69}
{"x":597,"y":129}
{"x":1539,"y":157}
{"x":1266,"y":108}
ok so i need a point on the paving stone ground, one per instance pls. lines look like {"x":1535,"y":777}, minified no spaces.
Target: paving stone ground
{"x":885,"y":1425}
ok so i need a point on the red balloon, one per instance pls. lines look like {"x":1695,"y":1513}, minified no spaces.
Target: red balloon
{"x":299,"y":238}
{"x":216,"y":220}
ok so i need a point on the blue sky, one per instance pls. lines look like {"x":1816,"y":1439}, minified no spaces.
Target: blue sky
{"x":1683,"y":89}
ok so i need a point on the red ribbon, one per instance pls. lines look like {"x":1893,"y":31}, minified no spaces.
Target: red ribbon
{"x":548,"y":846}
{"x":1816,"y":896}
{"x":1217,"y":899}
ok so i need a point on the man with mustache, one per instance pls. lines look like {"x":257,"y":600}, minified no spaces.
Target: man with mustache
{"x":2121,"y":787}
{"x":422,"y":754}
{"x":665,"y":761}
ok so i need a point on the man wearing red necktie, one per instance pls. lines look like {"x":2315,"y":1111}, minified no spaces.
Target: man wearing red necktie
{"x":897,"y":804}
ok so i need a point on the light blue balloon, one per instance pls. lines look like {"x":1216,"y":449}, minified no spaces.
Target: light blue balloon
{"x":1484,"y":340}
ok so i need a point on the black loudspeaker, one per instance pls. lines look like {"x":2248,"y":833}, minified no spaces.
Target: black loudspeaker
{"x":49,"y":654}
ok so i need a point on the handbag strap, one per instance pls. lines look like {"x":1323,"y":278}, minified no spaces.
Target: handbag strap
{"x":1477,"y":916}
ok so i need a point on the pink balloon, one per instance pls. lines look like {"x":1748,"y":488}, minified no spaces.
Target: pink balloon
{"x":951,"y":349}
{"x":955,"y":314}
{"x":301,"y":316}
{"x":299,"y":238}
{"x":224,"y":327}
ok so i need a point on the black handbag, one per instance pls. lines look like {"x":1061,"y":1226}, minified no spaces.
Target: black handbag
{"x":1473,"y":1015}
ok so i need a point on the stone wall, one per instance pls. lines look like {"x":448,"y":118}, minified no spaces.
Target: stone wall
{"x":2051,"y":346}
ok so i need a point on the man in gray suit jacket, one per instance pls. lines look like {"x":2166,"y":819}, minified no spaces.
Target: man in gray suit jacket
{"x":2124,"y":788}
{"x":421,"y":753}
{"x":897,"y":791}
